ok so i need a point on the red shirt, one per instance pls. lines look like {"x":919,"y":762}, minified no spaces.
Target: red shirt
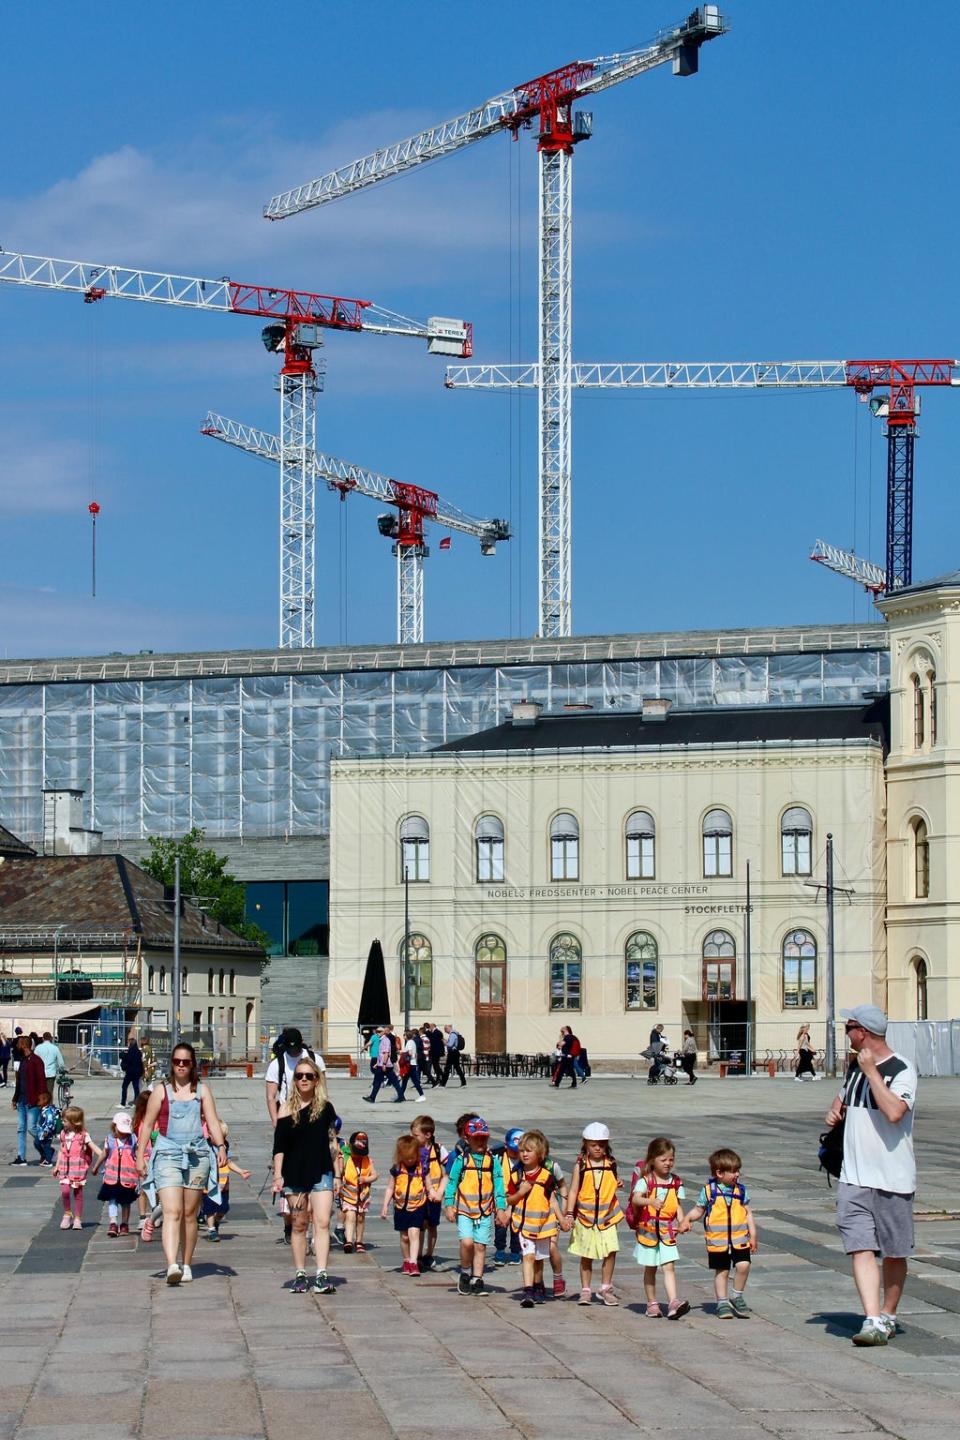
{"x":31,"y":1079}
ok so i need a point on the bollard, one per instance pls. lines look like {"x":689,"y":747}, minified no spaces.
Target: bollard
{"x":249,"y":1070}
{"x":354,"y":1072}
{"x":772,"y":1069}
{"x":723,"y":1069}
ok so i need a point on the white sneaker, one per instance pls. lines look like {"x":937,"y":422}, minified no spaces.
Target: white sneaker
{"x":186,"y":1275}
{"x":420,"y":1100}
{"x":174,"y":1274}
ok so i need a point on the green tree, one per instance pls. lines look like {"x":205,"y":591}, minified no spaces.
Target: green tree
{"x":204,"y":881}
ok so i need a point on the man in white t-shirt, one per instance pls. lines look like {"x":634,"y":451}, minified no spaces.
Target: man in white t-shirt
{"x":879,"y":1174}
{"x":280,"y":1080}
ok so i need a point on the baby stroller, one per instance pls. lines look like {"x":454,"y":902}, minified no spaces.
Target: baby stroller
{"x":662,"y":1070}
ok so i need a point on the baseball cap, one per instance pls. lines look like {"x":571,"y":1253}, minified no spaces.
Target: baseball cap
{"x":871,"y":1017}
{"x":596,"y":1131}
{"x":476,"y":1127}
{"x":293,"y":1040}
{"x":512,"y":1138}
{"x":123,"y":1122}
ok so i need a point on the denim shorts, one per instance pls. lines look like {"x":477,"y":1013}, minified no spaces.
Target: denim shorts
{"x":479,"y":1231}
{"x":169,"y":1175}
{"x":324,"y":1183}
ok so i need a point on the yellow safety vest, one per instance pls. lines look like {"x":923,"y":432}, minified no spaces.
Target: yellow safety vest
{"x":725,"y":1219}
{"x":533,"y":1216}
{"x":658,"y":1227}
{"x":597,"y":1205}
{"x":475,"y":1186}
{"x":408,"y":1188}
{"x":354,"y":1186}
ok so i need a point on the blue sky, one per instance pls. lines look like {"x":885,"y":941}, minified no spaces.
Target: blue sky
{"x":796,"y":199}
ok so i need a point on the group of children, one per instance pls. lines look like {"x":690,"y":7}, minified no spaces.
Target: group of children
{"x":79,"y":1158}
{"x":515,"y":1195}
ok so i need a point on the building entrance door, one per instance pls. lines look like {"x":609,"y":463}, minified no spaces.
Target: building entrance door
{"x":490,"y":1011}
{"x":727,"y":1029}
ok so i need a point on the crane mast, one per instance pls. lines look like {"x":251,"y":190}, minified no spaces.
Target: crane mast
{"x":547,"y":101}
{"x":298,"y":317}
{"x":414,"y":505}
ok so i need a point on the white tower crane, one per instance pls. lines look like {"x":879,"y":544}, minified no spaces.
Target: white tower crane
{"x":414,"y":505}
{"x":872,"y":577}
{"x":548,"y":100}
{"x":299,"y":318}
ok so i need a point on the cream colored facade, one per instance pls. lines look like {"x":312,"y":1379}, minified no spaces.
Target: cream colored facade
{"x":840,"y":785}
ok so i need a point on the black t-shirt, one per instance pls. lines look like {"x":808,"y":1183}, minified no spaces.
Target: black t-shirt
{"x":305,"y":1147}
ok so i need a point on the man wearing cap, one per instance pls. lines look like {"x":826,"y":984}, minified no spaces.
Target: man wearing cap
{"x":279,"y":1077}
{"x":879,"y":1175}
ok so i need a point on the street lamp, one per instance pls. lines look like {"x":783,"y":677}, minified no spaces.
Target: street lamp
{"x":405,"y":969}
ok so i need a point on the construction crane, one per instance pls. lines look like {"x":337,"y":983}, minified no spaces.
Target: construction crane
{"x":844,"y":562}
{"x":298,"y":318}
{"x":413,"y":504}
{"x":547,"y":101}
{"x":889,"y":386}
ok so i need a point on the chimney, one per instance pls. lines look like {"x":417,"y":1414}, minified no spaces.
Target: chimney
{"x":63,"y":831}
{"x":525,"y":714}
{"x":656,"y":710}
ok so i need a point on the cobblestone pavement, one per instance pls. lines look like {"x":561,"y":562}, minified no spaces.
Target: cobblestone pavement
{"x":95,"y":1345}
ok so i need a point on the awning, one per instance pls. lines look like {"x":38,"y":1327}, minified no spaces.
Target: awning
{"x":40,"y":1015}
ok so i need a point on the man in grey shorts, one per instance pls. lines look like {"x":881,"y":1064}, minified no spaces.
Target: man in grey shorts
{"x":879,"y":1175}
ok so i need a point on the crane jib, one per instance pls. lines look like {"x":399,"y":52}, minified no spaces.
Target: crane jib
{"x":329,"y":310}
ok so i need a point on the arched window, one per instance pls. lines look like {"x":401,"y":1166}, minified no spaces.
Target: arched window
{"x":163,"y":979}
{"x":921,"y":860}
{"x":220,"y":979}
{"x":233,"y":982}
{"x":414,"y":849}
{"x":419,"y":972}
{"x":565,"y":850}
{"x":796,"y":841}
{"x":918,"y":712}
{"x":491,"y":969}
{"x":210,"y":982}
{"x":184,"y":981}
{"x":488,"y":836}
{"x":640,"y":958}
{"x":150,"y":980}
{"x":566,"y":973}
{"x":920,"y":970}
{"x":641,"y":833}
{"x":717,"y":844}
{"x":719,"y":966}
{"x":799,"y":971}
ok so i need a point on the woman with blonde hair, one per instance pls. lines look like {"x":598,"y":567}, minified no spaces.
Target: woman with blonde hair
{"x":308,"y":1167}
{"x":805,"y":1055}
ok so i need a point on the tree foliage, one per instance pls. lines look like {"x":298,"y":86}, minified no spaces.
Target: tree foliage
{"x":204,"y":881}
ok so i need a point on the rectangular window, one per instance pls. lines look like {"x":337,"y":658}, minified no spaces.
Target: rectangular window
{"x":415,"y":860}
{"x":795,"y":848}
{"x":489,"y":859}
{"x":641,"y":984}
{"x":197,"y":1019}
{"x":265,"y":907}
{"x":640,"y":864}
{"x":717,"y":856}
{"x":233,"y":1023}
{"x":799,"y":982}
{"x":719,"y":980}
{"x":308,"y":917}
{"x":210,"y":1015}
{"x":184,"y":982}
{"x":565,"y":978}
{"x":565,"y":864}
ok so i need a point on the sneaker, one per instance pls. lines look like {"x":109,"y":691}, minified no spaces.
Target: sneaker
{"x":413,"y":1268}
{"x":46,"y":1164}
{"x":405,"y":1268}
{"x":527,"y":1303}
{"x":340,"y":1235}
{"x":477,"y":1286}
{"x":426,"y":1263}
{"x":300,"y":1283}
{"x":186,"y":1275}
{"x":653,"y":1311}
{"x":124,"y":1229}
{"x":147,"y":1232}
{"x":213,"y":1234}
{"x":368,"y":1099}
{"x":77,"y":1223}
{"x":873,"y":1332}
{"x":322,"y":1285}
{"x":420,"y":1100}
{"x":607,"y":1295}
{"x":113,"y":1230}
{"x":585,"y":1296}
{"x":559,"y":1286}
{"x":740,"y":1307}
{"x":889,"y":1323}
{"x":173,"y":1275}
{"x":501,"y":1257}
{"x":539,"y":1294}
{"x":67,"y":1222}
{"x":725,"y":1310}
{"x":463,"y":1284}
{"x":676,"y":1308}
{"x":514,"y":1259}
{"x":17,"y":1161}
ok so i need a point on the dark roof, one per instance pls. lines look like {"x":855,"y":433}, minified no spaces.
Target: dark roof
{"x":11,"y":845}
{"x":737,"y":725}
{"x":952,"y":577}
{"x":97,"y":896}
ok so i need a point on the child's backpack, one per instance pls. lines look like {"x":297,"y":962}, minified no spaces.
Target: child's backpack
{"x":50,"y":1123}
{"x":631,"y":1211}
{"x":830,"y":1152}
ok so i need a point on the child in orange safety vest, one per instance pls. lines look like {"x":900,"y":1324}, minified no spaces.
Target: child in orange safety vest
{"x":593,"y":1199}
{"x":657,"y":1217}
{"x":730,"y":1232}
{"x":120,"y":1178}
{"x":410,"y":1193}
{"x":536,"y":1217}
{"x":358,"y":1176}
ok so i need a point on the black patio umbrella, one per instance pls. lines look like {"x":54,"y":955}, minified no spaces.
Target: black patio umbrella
{"x":374,"y":1001}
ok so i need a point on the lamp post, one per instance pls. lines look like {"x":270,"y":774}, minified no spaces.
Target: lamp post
{"x":175,"y":978}
{"x":748,"y":962}
{"x":405,"y":968}
{"x":830,"y":1051}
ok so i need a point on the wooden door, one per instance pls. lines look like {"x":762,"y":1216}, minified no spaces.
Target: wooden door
{"x":490,"y":1011}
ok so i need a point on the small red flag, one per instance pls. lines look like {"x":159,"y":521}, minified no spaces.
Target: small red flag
{"x":444,"y":543}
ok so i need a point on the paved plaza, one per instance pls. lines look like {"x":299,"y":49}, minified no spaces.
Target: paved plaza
{"x":95,"y":1345}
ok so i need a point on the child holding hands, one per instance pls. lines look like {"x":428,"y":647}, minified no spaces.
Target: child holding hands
{"x":656,"y":1197}
{"x":537,"y":1217}
{"x":73,"y":1165}
{"x":730,"y":1232}
{"x":593,"y":1200}
{"x":410,"y":1192}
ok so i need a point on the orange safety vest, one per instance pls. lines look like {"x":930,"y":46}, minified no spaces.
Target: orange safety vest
{"x":408,"y":1188}
{"x":597,"y":1204}
{"x":432,"y":1167}
{"x":725,"y":1222}
{"x":659,"y":1227}
{"x":533,"y":1216}
{"x":354,"y":1186}
{"x":474,"y":1196}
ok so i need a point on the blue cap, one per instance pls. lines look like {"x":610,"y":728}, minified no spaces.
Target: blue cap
{"x":512,"y":1139}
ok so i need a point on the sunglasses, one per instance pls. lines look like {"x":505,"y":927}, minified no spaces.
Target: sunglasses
{"x":849,"y":1029}
{"x":180,"y":1060}
{"x":304,"y":1075}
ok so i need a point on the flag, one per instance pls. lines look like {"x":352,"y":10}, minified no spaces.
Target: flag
{"x":444,"y":543}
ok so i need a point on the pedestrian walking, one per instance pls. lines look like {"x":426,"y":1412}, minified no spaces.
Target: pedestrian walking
{"x":436,"y":1052}
{"x":131,"y":1063}
{"x":806,"y":1054}
{"x":433,"y":1157}
{"x":308,"y":1167}
{"x":593,"y":1201}
{"x":29,"y":1084}
{"x":655,"y":1199}
{"x":568,"y":1046}
{"x":409,"y":1191}
{"x":879,"y":1174}
{"x":287,"y":1050}
{"x":145,"y":1222}
{"x":52,"y":1056}
{"x":474,"y":1199}
{"x":120,"y":1175}
{"x":6,"y":1051}
{"x":359,"y":1176}
{"x":453,"y":1044}
{"x":214,"y":1208}
{"x":411,"y":1059}
{"x":730,"y":1232}
{"x":180,"y":1162}
{"x":688,"y":1056}
{"x":76,"y":1152}
{"x":384,"y":1070}
{"x":536,"y":1216}
{"x":49,"y":1125}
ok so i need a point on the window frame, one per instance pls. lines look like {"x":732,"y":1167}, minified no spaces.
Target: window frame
{"x":642,"y":865}
{"x":642,"y":961}
{"x":489,"y":852}
{"x":417,"y":943}
{"x":799,"y":986}
{"x":414,"y":852}
{"x":564,"y":851}
{"x":790,"y":837}
{"x":920,"y":844}
{"x":718,"y":962}
{"x":565,"y":951}
{"x":921,"y":972}
{"x":714,"y":838}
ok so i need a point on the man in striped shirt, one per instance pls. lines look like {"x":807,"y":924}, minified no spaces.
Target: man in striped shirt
{"x":879,"y":1174}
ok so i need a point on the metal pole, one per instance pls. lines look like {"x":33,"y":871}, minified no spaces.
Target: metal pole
{"x":405,"y":970}
{"x":830,"y":1047}
{"x":747,"y":956}
{"x":175,"y":984}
